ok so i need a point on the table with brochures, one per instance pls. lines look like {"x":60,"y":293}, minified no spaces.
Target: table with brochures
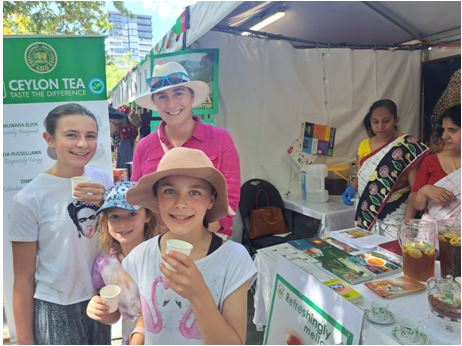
{"x":413,"y":306}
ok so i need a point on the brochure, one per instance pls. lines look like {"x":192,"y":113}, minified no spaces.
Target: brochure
{"x":342,"y":246}
{"x":317,"y":248}
{"x":396,"y":287}
{"x":344,"y":290}
{"x":376,"y":263}
{"x":347,"y":271}
{"x":332,"y":259}
{"x":317,"y":139}
{"x":359,"y":238}
{"x":392,"y":247}
{"x":286,"y":251}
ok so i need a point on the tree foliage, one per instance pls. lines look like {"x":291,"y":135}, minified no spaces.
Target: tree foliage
{"x":117,"y":69}
{"x":64,"y":18}
{"x":57,"y":17}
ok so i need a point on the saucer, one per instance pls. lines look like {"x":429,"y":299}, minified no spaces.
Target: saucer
{"x":385,"y":319}
{"x":423,"y":338}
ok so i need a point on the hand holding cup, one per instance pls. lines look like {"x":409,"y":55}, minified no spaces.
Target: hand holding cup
{"x":85,"y":190}
{"x":111,"y":294}
{"x":179,"y":246}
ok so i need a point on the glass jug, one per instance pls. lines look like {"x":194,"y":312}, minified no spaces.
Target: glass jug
{"x":418,"y":239}
{"x":449,"y":245}
{"x":444,"y":299}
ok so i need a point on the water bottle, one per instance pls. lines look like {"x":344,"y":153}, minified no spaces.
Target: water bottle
{"x":312,"y":180}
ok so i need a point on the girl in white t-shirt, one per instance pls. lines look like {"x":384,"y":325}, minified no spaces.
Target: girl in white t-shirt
{"x":203,"y":300}
{"x":53,"y":240}
{"x":121,"y":227}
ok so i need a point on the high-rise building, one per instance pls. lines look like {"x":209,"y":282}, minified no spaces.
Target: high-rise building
{"x":132,"y":35}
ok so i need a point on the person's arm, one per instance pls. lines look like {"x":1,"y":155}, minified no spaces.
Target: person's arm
{"x":24,"y":262}
{"x":231,"y":169}
{"x":215,"y":327}
{"x":137,"y":160}
{"x":411,"y":211}
{"x":228,"y":326}
{"x":422,"y":192}
{"x":432,"y":193}
{"x":137,"y":335}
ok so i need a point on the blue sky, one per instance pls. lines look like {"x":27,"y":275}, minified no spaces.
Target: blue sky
{"x":164,"y":13}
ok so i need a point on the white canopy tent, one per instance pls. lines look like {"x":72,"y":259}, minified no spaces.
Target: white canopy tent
{"x":325,"y":62}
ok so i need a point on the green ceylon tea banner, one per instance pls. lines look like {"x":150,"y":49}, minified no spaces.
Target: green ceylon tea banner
{"x":39,"y":74}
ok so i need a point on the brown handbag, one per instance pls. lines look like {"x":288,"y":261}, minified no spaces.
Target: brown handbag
{"x":267,"y":220}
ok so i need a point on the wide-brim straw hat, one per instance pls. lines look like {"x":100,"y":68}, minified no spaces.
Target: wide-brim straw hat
{"x":185,"y":162}
{"x":200,"y":88}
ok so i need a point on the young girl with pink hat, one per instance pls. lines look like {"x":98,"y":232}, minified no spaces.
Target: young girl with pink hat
{"x":203,"y":300}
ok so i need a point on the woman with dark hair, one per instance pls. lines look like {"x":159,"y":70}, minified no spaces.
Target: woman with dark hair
{"x":437,"y":187}
{"x":387,"y":163}
{"x":52,"y":261}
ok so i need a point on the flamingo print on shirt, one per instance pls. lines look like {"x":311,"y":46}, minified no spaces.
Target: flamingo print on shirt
{"x":169,"y":309}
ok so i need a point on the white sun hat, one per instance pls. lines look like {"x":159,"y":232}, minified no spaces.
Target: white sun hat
{"x":172,"y":75}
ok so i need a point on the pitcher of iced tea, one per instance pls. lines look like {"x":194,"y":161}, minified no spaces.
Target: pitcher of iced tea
{"x":449,"y":247}
{"x":418,"y":239}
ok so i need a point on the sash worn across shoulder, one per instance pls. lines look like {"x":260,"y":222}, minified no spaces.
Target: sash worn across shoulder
{"x":436,"y":212}
{"x":397,"y":158}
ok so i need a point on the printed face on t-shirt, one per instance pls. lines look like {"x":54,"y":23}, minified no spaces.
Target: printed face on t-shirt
{"x":83,"y":215}
{"x":87,"y":220}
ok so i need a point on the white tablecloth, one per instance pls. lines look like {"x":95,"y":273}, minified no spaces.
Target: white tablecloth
{"x":334,"y":215}
{"x":413,"y":306}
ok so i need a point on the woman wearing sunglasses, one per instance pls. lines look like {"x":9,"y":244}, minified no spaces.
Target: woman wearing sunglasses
{"x":173,"y":95}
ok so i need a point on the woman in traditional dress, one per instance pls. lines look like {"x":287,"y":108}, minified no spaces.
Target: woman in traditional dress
{"x":437,"y":187}
{"x":388,"y":162}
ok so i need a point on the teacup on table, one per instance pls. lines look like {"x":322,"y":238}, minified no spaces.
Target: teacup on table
{"x":408,"y":332}
{"x":378,"y":313}
{"x":379,"y":310}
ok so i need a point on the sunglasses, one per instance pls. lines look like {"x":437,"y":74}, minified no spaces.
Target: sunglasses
{"x":155,"y":83}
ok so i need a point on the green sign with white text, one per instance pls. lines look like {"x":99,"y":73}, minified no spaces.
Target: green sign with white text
{"x":53,"y":69}
{"x":41,"y":73}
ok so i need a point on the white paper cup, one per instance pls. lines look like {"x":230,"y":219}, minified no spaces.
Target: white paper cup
{"x":179,"y":246}
{"x":111,"y":294}
{"x":77,"y":180}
